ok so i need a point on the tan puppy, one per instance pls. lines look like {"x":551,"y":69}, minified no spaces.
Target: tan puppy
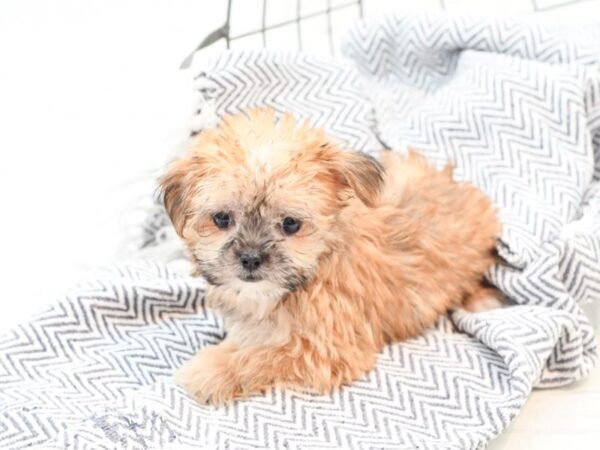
{"x":318,"y":257}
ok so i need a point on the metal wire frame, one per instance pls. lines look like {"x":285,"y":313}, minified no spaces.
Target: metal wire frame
{"x":224,"y":31}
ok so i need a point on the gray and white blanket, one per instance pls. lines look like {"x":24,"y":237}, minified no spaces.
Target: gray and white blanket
{"x":514,"y":105}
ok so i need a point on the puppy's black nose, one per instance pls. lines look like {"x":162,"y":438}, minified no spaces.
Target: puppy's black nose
{"x":251,"y":260}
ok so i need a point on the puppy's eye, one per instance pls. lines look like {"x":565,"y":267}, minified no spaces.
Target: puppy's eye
{"x":222,"y":220}
{"x":290,"y":225}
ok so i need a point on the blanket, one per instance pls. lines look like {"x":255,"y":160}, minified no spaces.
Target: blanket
{"x":514,"y":105}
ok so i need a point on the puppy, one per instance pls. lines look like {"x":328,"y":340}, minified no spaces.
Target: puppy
{"x":317,"y":257}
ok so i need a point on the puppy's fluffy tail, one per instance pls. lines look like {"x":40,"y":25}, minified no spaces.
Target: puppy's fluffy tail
{"x":405,"y":169}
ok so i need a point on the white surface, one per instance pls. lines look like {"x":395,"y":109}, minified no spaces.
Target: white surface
{"x":557,"y":419}
{"x":91,"y":101}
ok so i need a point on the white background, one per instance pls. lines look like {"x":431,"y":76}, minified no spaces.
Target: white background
{"x":91,"y":105}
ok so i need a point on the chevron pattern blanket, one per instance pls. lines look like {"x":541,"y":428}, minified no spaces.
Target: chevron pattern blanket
{"x":514,"y":105}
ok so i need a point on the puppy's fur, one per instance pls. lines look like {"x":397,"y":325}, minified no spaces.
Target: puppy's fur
{"x":382,"y":251}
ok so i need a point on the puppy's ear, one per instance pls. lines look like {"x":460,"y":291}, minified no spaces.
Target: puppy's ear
{"x":177,"y":185}
{"x":360,"y":172}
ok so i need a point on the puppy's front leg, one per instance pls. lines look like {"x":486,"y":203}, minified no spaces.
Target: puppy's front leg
{"x":220,"y":373}
{"x":209,"y":376}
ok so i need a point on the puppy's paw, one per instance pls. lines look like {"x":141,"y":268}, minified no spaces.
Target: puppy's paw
{"x":207,"y":378}
{"x":484,"y":300}
{"x":484,"y":304}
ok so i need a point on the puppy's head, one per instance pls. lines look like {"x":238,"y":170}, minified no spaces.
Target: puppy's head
{"x":256,"y":201}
